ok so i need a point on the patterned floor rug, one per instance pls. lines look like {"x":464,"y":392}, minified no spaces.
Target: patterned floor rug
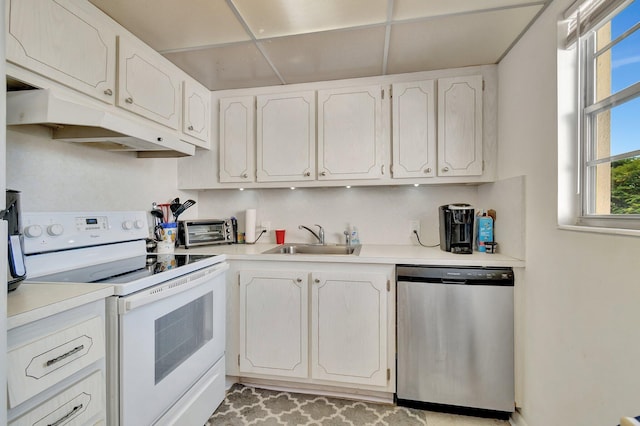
{"x":252,"y":406}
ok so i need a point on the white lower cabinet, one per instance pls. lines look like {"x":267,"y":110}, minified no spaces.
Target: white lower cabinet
{"x":76,"y":405}
{"x":349,"y":327}
{"x":56,"y":369}
{"x":318,"y":324}
{"x":273,"y":323}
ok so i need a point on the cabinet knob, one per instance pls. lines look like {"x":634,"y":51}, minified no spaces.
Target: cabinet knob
{"x":129,"y":100}
{"x":323,"y":173}
{"x":427,"y":170}
{"x":244,"y":175}
{"x":190,"y":128}
{"x":108,"y":92}
{"x":299,"y":280}
{"x":307,"y":174}
{"x":445,"y":169}
{"x":317,"y":281}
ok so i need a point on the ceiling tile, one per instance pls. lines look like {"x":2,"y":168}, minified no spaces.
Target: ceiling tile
{"x":170,"y":24}
{"x":456,"y":41}
{"x":227,"y":67}
{"x":275,"y":18}
{"x":411,"y":9}
{"x":329,"y":55}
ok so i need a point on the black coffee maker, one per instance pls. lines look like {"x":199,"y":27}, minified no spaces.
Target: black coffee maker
{"x":16,"y":271}
{"x":456,"y":228}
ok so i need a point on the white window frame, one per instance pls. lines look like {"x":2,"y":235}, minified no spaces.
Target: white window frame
{"x":587,"y":111}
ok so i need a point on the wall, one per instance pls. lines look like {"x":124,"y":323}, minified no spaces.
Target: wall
{"x":580,"y":291}
{"x":63,"y":176}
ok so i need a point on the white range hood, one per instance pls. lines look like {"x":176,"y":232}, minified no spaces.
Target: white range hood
{"x":73,"y":121}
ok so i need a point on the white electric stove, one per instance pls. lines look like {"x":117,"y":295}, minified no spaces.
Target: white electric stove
{"x":165,"y":324}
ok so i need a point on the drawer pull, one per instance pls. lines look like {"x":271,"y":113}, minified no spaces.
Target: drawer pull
{"x":66,"y":416}
{"x":129,"y":100}
{"x":65,"y":355}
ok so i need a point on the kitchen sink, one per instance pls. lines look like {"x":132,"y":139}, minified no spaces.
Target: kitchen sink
{"x":330,"y":249}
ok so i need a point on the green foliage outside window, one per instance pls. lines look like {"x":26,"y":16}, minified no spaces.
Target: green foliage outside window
{"x":625,"y":186}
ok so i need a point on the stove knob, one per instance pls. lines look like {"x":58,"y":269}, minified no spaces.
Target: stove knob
{"x":55,"y":230}
{"x":33,"y":231}
{"x":127,"y":225}
{"x":138,"y":224}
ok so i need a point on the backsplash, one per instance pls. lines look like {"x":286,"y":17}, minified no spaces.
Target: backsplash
{"x":381,"y":214}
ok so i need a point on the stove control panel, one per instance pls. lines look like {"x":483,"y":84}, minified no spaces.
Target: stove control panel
{"x":52,"y":231}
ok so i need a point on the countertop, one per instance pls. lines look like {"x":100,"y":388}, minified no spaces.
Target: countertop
{"x":31,"y":301}
{"x":369,"y":253}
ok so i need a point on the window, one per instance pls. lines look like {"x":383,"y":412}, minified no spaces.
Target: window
{"x":608,"y":40}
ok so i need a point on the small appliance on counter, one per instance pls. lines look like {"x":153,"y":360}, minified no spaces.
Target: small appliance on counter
{"x":456,"y":228}
{"x":203,"y":232}
{"x":16,"y":271}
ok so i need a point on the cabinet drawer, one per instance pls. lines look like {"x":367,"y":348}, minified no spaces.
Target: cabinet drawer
{"x":39,"y":364}
{"x":75,"y":405}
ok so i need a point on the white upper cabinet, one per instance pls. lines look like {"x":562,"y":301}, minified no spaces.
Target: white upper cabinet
{"x":350,"y":133}
{"x":414,"y":129}
{"x":148,"y":84}
{"x":64,"y":43}
{"x":286,"y":137}
{"x":460,"y":126}
{"x":196,"y":110}
{"x":237,"y":139}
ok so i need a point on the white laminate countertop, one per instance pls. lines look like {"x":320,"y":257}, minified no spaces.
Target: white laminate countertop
{"x":369,"y":253}
{"x":31,"y":302}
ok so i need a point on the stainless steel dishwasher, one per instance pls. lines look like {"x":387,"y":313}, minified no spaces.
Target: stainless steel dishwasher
{"x":455,"y":339}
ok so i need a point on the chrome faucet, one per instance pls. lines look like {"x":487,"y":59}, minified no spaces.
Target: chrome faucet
{"x":319,"y":235}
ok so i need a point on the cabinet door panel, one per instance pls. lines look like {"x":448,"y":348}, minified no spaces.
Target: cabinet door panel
{"x":59,"y":41}
{"x":350,"y":133}
{"x":414,"y":129}
{"x":273,"y":323}
{"x":237,"y":139}
{"x":147,"y":85}
{"x":196,"y":111}
{"x":44,"y":362}
{"x":78,"y":404}
{"x":286,"y":137}
{"x":460,"y":126}
{"x":349,"y":328}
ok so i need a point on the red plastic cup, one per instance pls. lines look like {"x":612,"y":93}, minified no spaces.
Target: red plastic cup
{"x":279,"y":236}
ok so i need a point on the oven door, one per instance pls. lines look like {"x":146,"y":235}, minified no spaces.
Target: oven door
{"x":170,"y":335}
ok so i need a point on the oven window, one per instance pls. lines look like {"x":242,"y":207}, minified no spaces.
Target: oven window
{"x":181,"y":333}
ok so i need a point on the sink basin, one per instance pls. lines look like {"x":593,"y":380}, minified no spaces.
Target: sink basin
{"x":331,"y":249}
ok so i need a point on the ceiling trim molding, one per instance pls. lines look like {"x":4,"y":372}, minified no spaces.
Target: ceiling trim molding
{"x":387,"y":36}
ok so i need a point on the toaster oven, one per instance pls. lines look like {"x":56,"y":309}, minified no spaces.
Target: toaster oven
{"x":202,"y":232}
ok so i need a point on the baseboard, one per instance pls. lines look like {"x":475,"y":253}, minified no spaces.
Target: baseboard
{"x":230,"y":381}
{"x":323,"y":390}
{"x":517,"y":419}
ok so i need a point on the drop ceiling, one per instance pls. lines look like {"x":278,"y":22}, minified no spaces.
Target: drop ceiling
{"x":227,"y":44}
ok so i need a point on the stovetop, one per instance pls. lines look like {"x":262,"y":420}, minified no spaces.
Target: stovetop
{"x":134,"y":273}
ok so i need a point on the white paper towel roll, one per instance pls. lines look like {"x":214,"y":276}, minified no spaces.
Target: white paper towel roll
{"x":250,"y":226}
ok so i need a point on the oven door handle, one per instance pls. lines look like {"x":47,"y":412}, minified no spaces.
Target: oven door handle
{"x":170,"y":288}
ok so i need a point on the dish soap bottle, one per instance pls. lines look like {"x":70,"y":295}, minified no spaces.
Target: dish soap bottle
{"x":355,"y":239}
